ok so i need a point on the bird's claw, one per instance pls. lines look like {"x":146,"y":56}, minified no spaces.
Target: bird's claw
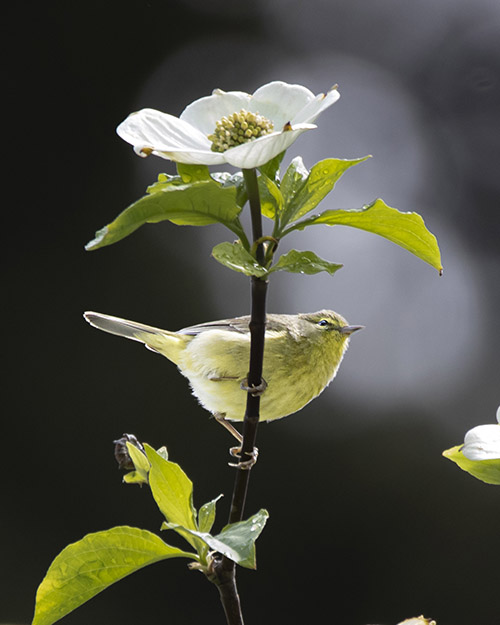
{"x":245,"y":465}
{"x":254,"y":390}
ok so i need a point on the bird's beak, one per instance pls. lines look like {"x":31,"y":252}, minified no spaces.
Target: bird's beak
{"x":350,"y":329}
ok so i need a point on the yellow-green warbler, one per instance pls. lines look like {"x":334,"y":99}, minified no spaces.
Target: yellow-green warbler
{"x":301,"y":357}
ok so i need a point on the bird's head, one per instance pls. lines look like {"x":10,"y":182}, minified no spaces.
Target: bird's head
{"x":326,"y":326}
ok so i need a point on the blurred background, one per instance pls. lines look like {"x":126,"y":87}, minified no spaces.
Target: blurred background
{"x":369,"y":524}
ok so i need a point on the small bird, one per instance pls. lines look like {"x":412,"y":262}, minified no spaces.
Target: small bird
{"x":302,"y":354}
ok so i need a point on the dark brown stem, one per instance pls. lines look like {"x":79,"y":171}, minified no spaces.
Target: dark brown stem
{"x":257,"y":332}
{"x":224,"y":577}
{"x":252,"y":414}
{"x":224,"y":569}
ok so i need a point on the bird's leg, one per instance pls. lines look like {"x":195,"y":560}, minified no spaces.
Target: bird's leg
{"x":253,"y":390}
{"x":236,"y":451}
{"x":220,"y":417}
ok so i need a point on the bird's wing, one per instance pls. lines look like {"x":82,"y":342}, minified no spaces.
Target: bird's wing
{"x":239,"y":324}
{"x":274,"y":324}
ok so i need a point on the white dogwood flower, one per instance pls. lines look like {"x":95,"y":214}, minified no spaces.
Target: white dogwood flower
{"x":232,"y":127}
{"x":483,"y":441}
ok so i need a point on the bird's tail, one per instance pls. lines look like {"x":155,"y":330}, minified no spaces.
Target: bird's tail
{"x":169,"y":344}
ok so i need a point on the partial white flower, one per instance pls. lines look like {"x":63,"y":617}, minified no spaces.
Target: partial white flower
{"x":232,"y":127}
{"x":419,"y":620}
{"x":483,"y":442}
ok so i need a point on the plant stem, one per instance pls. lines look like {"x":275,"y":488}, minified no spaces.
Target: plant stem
{"x":257,"y":331}
{"x":252,"y":414}
{"x":225,"y":580}
{"x":250,"y":177}
{"x":225,"y":569}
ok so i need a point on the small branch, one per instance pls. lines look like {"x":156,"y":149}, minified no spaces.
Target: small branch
{"x":224,"y":569}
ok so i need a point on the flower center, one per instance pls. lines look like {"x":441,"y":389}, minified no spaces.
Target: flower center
{"x":239,"y":128}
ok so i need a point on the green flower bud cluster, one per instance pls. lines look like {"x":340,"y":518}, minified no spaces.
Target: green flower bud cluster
{"x":239,"y":128}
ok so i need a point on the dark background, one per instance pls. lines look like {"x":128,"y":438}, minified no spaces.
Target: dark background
{"x":368,"y":522}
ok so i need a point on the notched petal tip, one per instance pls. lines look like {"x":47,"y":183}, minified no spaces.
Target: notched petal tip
{"x":322,"y":96}
{"x":301,"y":127}
{"x":143,"y":151}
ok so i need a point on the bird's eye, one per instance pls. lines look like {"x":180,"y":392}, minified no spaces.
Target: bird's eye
{"x":323,"y":323}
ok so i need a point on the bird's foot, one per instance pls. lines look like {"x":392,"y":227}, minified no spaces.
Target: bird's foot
{"x":254,"y":390}
{"x":244,"y":465}
{"x":236,"y":451}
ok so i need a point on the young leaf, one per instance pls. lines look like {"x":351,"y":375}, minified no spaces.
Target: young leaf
{"x":163,"y":452}
{"x":172,"y":490}
{"x":407,"y":230}
{"x":206,"y":515}
{"x":196,"y":204}
{"x":141,"y":464}
{"x":303,"y":191}
{"x":295,"y":261}
{"x":485,"y":470}
{"x":271,"y":200}
{"x":235,"y":256}
{"x":294,"y":179}
{"x":85,"y":568}
{"x":236,"y":541}
{"x":241,"y":537}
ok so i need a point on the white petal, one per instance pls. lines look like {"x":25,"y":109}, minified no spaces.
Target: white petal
{"x":321,"y":102}
{"x":193,"y":157}
{"x":482,"y":443}
{"x":260,"y":151}
{"x":280,"y":102}
{"x":498,"y":414}
{"x":205,"y":112}
{"x":161,"y":132}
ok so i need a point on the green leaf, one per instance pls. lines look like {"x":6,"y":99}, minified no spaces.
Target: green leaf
{"x":407,"y":230}
{"x":485,"y":470}
{"x":293,"y":181}
{"x":141,"y":464}
{"x":192,"y":173}
{"x":235,"y":180}
{"x":303,"y":190}
{"x":236,"y":541}
{"x":164,"y":181}
{"x":172,"y":490}
{"x":271,"y":200}
{"x":241,"y":537}
{"x":295,"y":261}
{"x":206,"y":515}
{"x":85,"y":568}
{"x":162,"y":451}
{"x":271,"y":168}
{"x":196,"y":204}
{"x":236,"y":257}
